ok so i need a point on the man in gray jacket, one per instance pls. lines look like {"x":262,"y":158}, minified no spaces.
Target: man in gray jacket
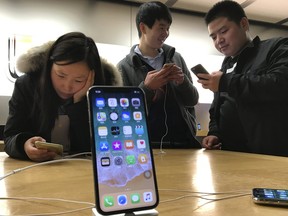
{"x":163,"y":75}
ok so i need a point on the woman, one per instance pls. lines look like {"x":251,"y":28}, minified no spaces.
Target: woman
{"x":49,"y":101}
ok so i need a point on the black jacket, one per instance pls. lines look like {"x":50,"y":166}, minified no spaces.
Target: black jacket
{"x":22,"y":124}
{"x":256,"y":95}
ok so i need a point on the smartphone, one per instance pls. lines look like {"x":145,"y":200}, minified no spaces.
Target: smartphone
{"x":57,"y":148}
{"x":123,"y":166}
{"x":168,"y":65}
{"x":270,"y":196}
{"x":199,"y":69}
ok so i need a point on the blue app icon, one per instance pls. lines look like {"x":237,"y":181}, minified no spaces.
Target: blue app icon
{"x":126,"y":116}
{"x":139,"y":129}
{"x":104,"y":146}
{"x":122,"y":199}
{"x":100,"y":102}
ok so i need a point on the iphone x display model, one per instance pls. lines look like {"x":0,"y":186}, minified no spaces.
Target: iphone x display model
{"x":123,"y":167}
{"x":270,"y":196}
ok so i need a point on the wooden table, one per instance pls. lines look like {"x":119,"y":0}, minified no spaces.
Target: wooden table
{"x":179,"y":173}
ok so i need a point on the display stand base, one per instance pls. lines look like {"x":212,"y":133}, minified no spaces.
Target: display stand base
{"x":151,"y":212}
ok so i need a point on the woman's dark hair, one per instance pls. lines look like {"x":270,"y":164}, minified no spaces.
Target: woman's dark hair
{"x":150,"y":12}
{"x":69,"y":48}
{"x":229,"y":9}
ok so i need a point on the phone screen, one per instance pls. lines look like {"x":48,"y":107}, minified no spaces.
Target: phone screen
{"x":270,"y":196}
{"x":123,"y":164}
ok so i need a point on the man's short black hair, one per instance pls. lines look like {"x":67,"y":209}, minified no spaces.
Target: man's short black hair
{"x":150,"y":12}
{"x":226,"y":8}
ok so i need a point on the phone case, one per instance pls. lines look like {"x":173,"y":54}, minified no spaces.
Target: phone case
{"x":50,"y":146}
{"x":124,"y":172}
{"x":167,"y":65}
{"x":199,"y":69}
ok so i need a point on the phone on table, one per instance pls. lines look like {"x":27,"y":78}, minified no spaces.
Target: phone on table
{"x":123,"y":167}
{"x":57,"y":148}
{"x":268,"y":196}
{"x":199,"y":69}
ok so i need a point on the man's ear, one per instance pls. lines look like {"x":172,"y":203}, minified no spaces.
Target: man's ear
{"x":244,"y":23}
{"x":142,"y":28}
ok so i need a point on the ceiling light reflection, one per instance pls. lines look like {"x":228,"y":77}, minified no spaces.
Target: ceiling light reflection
{"x":203,"y":180}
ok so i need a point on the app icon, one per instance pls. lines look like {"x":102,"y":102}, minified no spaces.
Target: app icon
{"x":147,"y":197}
{"x":130,"y":159}
{"x":135,"y":102}
{"x":112,"y":102}
{"x":142,"y":158}
{"x":129,"y":144}
{"x":102,"y":131}
{"x":105,"y":161}
{"x":118,"y":160}
{"x":114,"y":116}
{"x":127,"y":130}
{"x":137,"y":116}
{"x":117,"y":145}
{"x":124,"y":102}
{"x":147,"y":174}
{"x":122,"y":200}
{"x":141,"y":144}
{"x":101,"y":116}
{"x":115,"y":130}
{"x":135,"y":198}
{"x":139,"y":129}
{"x":100,"y":102}
{"x":108,"y":201}
{"x":125,"y":116}
{"x":104,"y":146}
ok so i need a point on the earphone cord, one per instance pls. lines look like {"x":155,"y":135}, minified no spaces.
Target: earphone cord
{"x":166,"y":125}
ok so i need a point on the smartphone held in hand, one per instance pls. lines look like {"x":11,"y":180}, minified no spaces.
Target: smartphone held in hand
{"x":57,"y":148}
{"x":197,"y":69}
{"x":168,"y":65}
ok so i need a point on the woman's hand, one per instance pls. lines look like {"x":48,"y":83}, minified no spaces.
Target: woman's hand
{"x":78,"y":96}
{"x":37,"y":155}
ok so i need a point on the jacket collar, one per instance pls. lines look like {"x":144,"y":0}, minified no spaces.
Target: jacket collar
{"x":169,"y":52}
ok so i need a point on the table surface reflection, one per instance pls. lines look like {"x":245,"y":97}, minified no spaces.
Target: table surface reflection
{"x":186,"y":180}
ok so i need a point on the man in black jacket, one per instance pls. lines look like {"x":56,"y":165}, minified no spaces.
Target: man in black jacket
{"x":249,"y":110}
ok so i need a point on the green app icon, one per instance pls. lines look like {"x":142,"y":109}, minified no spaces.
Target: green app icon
{"x":108,"y":201}
{"x":135,"y":198}
{"x":130,"y":159}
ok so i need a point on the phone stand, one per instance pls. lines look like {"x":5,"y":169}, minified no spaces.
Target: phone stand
{"x":151,"y":212}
